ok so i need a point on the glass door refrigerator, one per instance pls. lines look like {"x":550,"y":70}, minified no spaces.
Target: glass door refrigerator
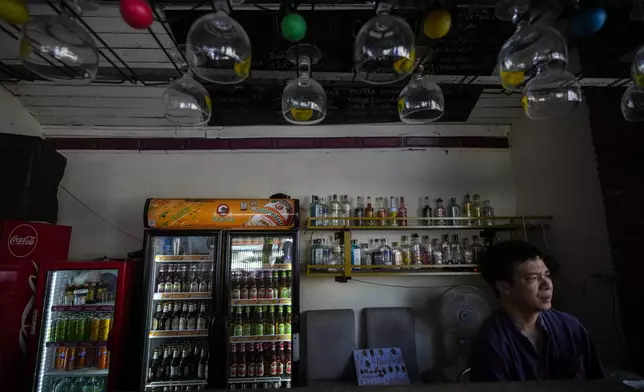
{"x":83,"y":333}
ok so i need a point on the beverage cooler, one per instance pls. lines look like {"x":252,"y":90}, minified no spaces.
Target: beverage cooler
{"x":221,"y":288}
{"x":83,"y":333}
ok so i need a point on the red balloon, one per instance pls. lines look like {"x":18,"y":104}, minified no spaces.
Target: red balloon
{"x":137,"y":13}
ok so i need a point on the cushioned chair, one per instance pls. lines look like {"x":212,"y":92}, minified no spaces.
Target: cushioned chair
{"x":329,"y":340}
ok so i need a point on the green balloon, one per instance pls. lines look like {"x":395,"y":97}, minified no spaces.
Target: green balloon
{"x":293,"y":27}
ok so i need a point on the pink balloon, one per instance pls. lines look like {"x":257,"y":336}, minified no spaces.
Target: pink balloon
{"x":137,"y":13}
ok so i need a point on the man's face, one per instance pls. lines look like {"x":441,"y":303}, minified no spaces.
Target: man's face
{"x":531,"y":289}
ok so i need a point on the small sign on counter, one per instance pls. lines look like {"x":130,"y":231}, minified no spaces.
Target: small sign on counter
{"x":380,"y":366}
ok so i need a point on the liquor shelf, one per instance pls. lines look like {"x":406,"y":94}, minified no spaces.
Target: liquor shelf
{"x":497,"y":223}
{"x":185,"y":383}
{"x":183,"y":259}
{"x":83,"y":308}
{"x":194,"y":333}
{"x":244,"y":380}
{"x":260,"y":338}
{"x":250,"y":302}
{"x":181,"y":296}
{"x":77,"y":344}
{"x":91,"y":372}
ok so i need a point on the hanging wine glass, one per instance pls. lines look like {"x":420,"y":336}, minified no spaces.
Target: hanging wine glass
{"x":530,"y":48}
{"x":637,"y":69}
{"x":551,"y":94}
{"x":225,"y":46}
{"x":58,"y":48}
{"x":384,"y":50}
{"x":509,"y":10}
{"x":633,"y":105}
{"x":186,"y":101}
{"x":304,"y":99}
{"x":421,"y":101}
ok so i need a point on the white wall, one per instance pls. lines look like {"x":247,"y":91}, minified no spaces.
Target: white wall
{"x":116,"y":185}
{"x":14,"y":118}
{"x":555,"y":173}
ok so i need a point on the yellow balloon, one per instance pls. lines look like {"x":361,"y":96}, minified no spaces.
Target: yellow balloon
{"x":302,"y":114}
{"x":437,"y":24}
{"x":14,"y":11}
{"x":242,"y":68}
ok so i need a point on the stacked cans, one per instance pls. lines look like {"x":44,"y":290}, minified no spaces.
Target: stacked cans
{"x":76,"y":358}
{"x":86,"y":327}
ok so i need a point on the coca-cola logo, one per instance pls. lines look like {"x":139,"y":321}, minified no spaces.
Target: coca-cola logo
{"x":23,"y":240}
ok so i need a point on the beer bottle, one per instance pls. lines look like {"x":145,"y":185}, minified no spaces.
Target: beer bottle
{"x":259,"y":360}
{"x":259,"y":321}
{"x":169,"y":279}
{"x":202,"y":369}
{"x":268,"y":283}
{"x":269,"y":324}
{"x":175,"y":366}
{"x":154,"y":366}
{"x":184,"y":365}
{"x":272,"y":361}
{"x":289,"y":294}
{"x":166,"y":320}
{"x":236,"y":291}
{"x":280,"y":360}
{"x":279,"y":323}
{"x":250,"y":366}
{"x":246,"y":323}
{"x":233,"y":361}
{"x":176,"y":315}
{"x":281,"y":284}
{"x":183,"y":317}
{"x":157,"y":320}
{"x":244,"y":292}
{"x":176,"y":284}
{"x":241,"y":361}
{"x":194,"y":362}
{"x":252,"y":282}
{"x":203,"y":282}
{"x":287,"y":321}
{"x":289,"y":355}
{"x":267,"y":251}
{"x":261,"y":287}
{"x":166,"y":365}
{"x":194,"y":279}
{"x":275,"y":285}
{"x":237,"y":323}
{"x":192,"y":317}
{"x":185,"y":283}
{"x":202,"y":317}
{"x":161,"y":278}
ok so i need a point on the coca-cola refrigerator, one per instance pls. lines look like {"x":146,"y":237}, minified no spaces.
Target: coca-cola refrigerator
{"x":24,"y":248}
{"x":213,"y":266}
{"x":84,"y":332}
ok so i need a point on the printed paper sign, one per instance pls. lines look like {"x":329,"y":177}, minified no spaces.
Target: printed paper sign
{"x":380,"y":366}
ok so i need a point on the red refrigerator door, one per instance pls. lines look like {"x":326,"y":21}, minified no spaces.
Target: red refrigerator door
{"x":81,"y":335}
{"x":24,"y":247}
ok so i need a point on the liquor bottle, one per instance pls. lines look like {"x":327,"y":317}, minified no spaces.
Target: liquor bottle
{"x":176,"y":315}
{"x":250,"y":362}
{"x":204,"y":279}
{"x":202,"y":369}
{"x":157,"y":320}
{"x":437,"y":252}
{"x":261,"y":285}
{"x":457,"y":250}
{"x":416,"y":252}
{"x":237,"y":322}
{"x":232,"y":373}
{"x":247,"y":327}
{"x":427,"y":212}
{"x":166,"y":365}
{"x":381,"y":213}
{"x":376,"y":254}
{"x":241,"y":361}
{"x":345,"y":210}
{"x":393,"y":211}
{"x":402,"y":212}
{"x":365,"y":256}
{"x":396,"y":254}
{"x":281,"y":284}
{"x":280,"y":360}
{"x":467,"y":210}
{"x":236,"y":284}
{"x":161,"y":279}
{"x":194,"y":279}
{"x":269,"y":323}
{"x":468,"y":257}
{"x":155,"y":365}
{"x":488,"y":212}
{"x":184,"y":365}
{"x":315,"y":210}
{"x":359,"y":212}
{"x":356,"y":258}
{"x":252,"y":283}
{"x":202,"y":317}
{"x":477,"y":208}
{"x":317,"y":252}
{"x":259,"y":360}
{"x":477,"y":249}
{"x":268,"y":283}
{"x":405,"y":250}
{"x":368,"y":213}
{"x":287,"y":321}
{"x":327,"y":251}
{"x":324,"y":207}
{"x":385,"y":250}
{"x":174,"y":366}
{"x":276,"y":285}
{"x":279,"y":321}
{"x":169,"y":279}
{"x":183,"y":318}
{"x":334,"y":211}
{"x":192,"y":317}
{"x":440,"y":212}
{"x":272,"y":361}
{"x":446,"y":250}
{"x":454,"y":211}
{"x":337,"y":253}
{"x":288,"y":356}
{"x":426,"y":249}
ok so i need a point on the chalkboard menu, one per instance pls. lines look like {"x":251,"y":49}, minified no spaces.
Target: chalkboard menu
{"x":255,"y":104}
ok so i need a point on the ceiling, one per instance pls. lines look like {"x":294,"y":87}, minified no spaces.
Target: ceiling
{"x":135,"y":68}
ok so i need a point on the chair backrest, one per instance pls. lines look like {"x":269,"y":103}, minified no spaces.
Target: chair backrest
{"x":330,"y":339}
{"x":392,"y":327}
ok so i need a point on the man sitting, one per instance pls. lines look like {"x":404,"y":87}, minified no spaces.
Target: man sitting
{"x":526,"y":339}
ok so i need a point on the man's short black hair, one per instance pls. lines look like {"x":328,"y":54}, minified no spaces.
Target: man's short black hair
{"x":501,"y":259}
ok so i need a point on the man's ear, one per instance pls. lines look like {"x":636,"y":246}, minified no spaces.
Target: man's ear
{"x":503,"y":287}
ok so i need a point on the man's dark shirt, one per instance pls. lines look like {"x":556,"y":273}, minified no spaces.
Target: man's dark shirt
{"x":502,"y":353}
